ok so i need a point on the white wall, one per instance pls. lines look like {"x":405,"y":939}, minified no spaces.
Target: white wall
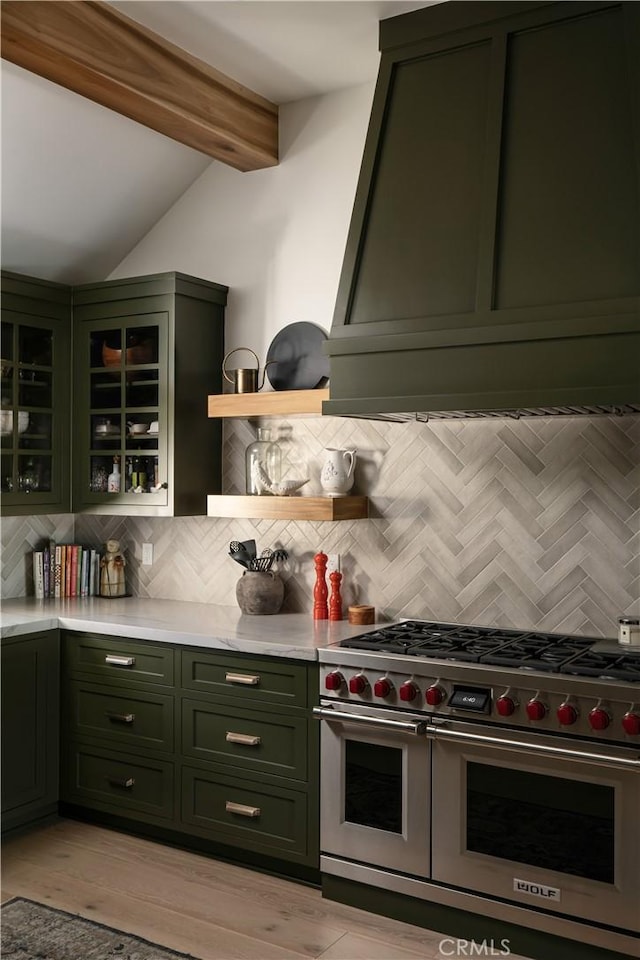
{"x":276,"y":237}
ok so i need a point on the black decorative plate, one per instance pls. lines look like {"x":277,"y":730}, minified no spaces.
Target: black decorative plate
{"x":299,"y":363}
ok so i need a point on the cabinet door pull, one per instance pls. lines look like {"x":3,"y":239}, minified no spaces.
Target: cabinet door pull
{"x":241,"y":809}
{"x":121,"y":717}
{"x":244,"y":678}
{"x":116,"y":661}
{"x":246,"y":739}
{"x":127,"y":783}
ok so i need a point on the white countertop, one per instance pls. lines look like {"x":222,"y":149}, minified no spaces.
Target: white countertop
{"x":295,"y":635}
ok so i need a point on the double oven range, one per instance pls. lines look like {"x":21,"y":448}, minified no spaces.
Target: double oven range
{"x":497,"y":771}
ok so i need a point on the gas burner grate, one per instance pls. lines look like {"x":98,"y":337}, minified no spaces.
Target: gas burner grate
{"x":607,"y":666}
{"x":546,"y":652}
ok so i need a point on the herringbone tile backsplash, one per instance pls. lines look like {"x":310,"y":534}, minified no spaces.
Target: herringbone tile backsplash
{"x":530,"y":523}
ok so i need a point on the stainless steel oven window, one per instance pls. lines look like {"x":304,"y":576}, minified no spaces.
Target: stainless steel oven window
{"x":373,"y":785}
{"x":541,"y":821}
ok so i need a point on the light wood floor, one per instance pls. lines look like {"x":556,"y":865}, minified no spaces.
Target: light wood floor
{"x":195,"y":904}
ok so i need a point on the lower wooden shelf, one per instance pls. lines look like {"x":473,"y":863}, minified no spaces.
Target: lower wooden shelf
{"x":288,"y":508}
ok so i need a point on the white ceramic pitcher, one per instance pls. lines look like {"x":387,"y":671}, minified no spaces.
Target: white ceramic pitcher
{"x":336,"y":475}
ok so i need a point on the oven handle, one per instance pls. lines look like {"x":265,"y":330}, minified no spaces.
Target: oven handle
{"x":416,"y":727}
{"x":439,"y":732}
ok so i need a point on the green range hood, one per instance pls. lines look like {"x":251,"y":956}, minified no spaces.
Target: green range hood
{"x":492,"y":266}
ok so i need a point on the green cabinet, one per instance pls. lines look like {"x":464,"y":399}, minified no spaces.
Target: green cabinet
{"x":250,"y":753}
{"x":492,"y":259}
{"x":30,"y":727}
{"x":118,"y":721}
{"x":34,"y":420}
{"x":206,"y":744}
{"x":147,"y":352}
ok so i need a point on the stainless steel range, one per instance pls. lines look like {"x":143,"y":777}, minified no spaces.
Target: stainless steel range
{"x":493,"y":770}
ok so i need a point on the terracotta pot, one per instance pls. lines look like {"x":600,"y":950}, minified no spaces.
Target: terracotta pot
{"x":259,"y":593}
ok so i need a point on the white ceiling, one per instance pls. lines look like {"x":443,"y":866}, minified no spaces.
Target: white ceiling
{"x":82,"y":185}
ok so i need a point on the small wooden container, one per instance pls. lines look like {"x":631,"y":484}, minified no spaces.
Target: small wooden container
{"x":361,"y":614}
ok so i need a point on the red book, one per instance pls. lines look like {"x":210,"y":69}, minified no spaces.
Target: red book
{"x":73,"y":571}
{"x":63,"y":570}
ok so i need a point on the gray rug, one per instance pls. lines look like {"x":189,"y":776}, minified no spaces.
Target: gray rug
{"x":31,"y":931}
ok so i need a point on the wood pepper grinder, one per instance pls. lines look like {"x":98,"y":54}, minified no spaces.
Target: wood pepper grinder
{"x":320,"y":592}
{"x":335,"y":600}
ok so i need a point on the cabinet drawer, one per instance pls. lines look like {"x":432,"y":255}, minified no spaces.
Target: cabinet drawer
{"x":133,"y":719}
{"x":245,"y":813}
{"x":121,"y":659}
{"x":99,"y":777}
{"x":261,"y":680}
{"x":266,"y":742}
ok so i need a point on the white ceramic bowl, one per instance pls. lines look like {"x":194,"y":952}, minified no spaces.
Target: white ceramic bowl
{"x":138,"y":428}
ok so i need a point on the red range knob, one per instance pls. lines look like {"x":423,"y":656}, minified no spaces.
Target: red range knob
{"x":506,"y":706}
{"x":599,"y":719}
{"x":358,"y":684}
{"x":434,"y":695}
{"x":408,"y":691}
{"x":536,"y":710}
{"x":631,"y":723}
{"x":566,"y":714}
{"x":333,"y":680}
{"x":382,"y":688}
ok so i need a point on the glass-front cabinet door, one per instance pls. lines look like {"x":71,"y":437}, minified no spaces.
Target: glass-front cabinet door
{"x":121,"y":368}
{"x":34,"y":429}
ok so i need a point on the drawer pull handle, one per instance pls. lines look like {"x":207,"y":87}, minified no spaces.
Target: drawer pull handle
{"x":241,"y":809}
{"x":116,"y":661}
{"x":244,"y":678}
{"x":121,"y":717}
{"x":126,"y":783}
{"x":246,"y":739}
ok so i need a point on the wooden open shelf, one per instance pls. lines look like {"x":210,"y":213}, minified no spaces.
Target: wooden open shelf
{"x":288,"y":508}
{"x":275,"y":403}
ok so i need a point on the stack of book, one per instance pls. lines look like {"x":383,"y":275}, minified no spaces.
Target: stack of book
{"x":66,"y":570}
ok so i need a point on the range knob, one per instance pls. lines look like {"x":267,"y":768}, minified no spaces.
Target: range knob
{"x":536,"y":710}
{"x":434,"y":695}
{"x":382,"y":688}
{"x":631,"y":723}
{"x":566,"y":714}
{"x":408,"y":691}
{"x":599,"y":719}
{"x":505,"y":706}
{"x":358,"y":684}
{"x":333,"y":680}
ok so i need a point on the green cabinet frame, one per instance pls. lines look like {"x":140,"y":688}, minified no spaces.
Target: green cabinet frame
{"x":188,"y":315}
{"x":32,"y":304}
{"x":30,"y":727}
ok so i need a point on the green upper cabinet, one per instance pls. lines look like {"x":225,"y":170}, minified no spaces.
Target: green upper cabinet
{"x":147,"y":352}
{"x":493,"y":259}
{"x":34,"y":427}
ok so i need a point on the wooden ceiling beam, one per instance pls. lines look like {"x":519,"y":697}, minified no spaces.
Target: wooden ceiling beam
{"x":94,"y":50}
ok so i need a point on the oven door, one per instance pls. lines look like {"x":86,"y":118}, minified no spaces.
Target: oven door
{"x":542,"y":821}
{"x":374,"y":788}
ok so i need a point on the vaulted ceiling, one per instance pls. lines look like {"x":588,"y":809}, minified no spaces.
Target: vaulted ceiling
{"x":82,"y":184}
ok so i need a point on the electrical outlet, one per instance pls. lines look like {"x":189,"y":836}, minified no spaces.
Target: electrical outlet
{"x":333,"y":563}
{"x":147,"y":554}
